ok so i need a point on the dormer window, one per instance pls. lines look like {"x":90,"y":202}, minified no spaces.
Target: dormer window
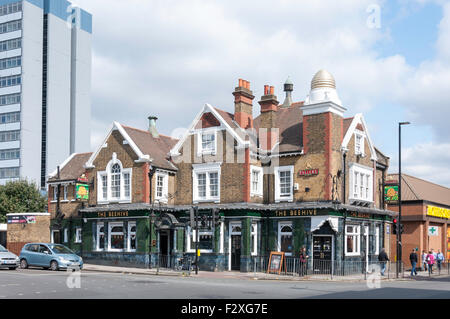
{"x":359,"y":143}
{"x":207,"y":143}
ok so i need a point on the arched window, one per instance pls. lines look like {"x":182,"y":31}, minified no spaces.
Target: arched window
{"x":115,"y":181}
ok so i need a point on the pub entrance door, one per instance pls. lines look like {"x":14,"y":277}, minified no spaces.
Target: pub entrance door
{"x":164,"y":248}
{"x":236,"y":252}
{"x":322,"y":254}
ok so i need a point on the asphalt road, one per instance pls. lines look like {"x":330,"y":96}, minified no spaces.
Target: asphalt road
{"x":45,"y":284}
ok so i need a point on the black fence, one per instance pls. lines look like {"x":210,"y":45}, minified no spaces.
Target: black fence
{"x":332,"y":269}
{"x":183,"y":264}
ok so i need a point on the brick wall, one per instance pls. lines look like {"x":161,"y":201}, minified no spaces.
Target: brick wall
{"x":20,"y":234}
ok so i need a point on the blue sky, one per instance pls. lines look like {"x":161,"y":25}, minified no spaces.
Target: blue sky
{"x":170,"y":57}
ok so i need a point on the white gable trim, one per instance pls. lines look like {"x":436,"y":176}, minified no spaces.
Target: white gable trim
{"x":359,"y":119}
{"x":118,"y":126}
{"x":207,"y":108}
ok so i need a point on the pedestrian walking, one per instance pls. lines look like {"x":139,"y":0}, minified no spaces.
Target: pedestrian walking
{"x":303,"y":261}
{"x":439,"y":259}
{"x":413,"y":258}
{"x":430,"y":262}
{"x":383,"y":258}
{"x":424,"y":260}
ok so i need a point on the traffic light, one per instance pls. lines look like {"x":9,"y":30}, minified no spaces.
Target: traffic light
{"x":395,"y":226}
{"x":401,"y":228}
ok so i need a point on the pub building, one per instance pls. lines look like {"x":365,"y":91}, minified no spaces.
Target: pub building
{"x":298,"y":175}
{"x":425,"y":215}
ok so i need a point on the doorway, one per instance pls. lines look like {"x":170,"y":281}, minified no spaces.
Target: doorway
{"x":234,"y":262}
{"x":322,"y":254}
{"x":164,"y":248}
{"x":56,"y":237}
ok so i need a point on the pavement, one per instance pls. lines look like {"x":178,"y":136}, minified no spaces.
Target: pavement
{"x":423,"y":275}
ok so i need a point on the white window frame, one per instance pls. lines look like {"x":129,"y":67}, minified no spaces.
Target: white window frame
{"x":358,"y":180}
{"x":356,"y":234}
{"x":110,"y":227}
{"x":377,"y":239}
{"x":254,"y":238}
{"x":259,"y":190}
{"x":78,"y":238}
{"x":165,"y":186}
{"x":278,"y":197}
{"x":200,"y":150}
{"x":100,"y":225}
{"x":282,"y":224}
{"x":191,"y":236}
{"x":359,"y":134}
{"x":205,"y":169}
{"x":66,"y":235}
{"x":122,"y":198}
{"x":65,"y":192}
{"x":55,"y":193}
{"x":129,"y":232}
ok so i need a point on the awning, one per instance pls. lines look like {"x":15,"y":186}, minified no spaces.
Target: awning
{"x":319,"y":221}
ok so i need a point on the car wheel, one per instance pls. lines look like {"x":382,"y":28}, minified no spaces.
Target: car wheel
{"x":54,"y":265}
{"x":23,"y":264}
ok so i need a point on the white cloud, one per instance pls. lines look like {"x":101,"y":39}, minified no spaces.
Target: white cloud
{"x":168,"y":58}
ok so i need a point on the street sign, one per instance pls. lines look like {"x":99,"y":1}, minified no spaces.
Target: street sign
{"x":433,"y":231}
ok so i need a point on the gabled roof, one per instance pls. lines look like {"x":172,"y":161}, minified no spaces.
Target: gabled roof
{"x":289,"y":120}
{"x":148,"y":148}
{"x":158,"y":148}
{"x":72,"y":168}
{"x":414,"y":188}
{"x":226,"y":120}
{"x":357,"y":120}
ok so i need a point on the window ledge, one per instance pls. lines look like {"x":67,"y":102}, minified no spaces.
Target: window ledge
{"x":215,"y":200}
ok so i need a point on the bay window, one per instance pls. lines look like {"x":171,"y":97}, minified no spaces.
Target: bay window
{"x":205,"y":240}
{"x":361,"y":179}
{"x":100,"y":236}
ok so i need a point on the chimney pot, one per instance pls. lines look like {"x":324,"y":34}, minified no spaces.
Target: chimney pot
{"x":241,"y":82}
{"x":272,"y":90}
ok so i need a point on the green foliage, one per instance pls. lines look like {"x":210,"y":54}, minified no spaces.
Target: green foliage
{"x":20,"y":197}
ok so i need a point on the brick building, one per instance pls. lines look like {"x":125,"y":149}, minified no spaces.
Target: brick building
{"x":298,"y":175}
{"x":425,"y":216}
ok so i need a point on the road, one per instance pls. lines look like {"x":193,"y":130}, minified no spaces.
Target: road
{"x":45,"y":284}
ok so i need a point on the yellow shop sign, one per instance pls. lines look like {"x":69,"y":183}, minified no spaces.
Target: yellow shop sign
{"x":438,"y":212}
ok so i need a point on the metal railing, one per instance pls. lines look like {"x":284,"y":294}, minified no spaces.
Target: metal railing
{"x":437,"y":269}
{"x":330,"y":269}
{"x":174,"y":263}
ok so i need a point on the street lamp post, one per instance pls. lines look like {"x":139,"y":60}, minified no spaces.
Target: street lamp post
{"x":399,"y":235}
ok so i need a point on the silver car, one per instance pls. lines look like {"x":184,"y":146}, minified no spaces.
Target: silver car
{"x":8,"y":259}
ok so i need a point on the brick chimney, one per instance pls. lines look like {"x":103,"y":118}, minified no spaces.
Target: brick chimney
{"x":243,"y":104}
{"x":268,"y":133}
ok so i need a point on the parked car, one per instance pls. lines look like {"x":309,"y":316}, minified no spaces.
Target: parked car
{"x":53,"y":256}
{"x":8,"y":259}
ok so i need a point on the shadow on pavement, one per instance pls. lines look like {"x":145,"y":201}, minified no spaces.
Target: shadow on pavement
{"x":388,"y":293}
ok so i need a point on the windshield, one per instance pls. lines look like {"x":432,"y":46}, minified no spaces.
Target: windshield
{"x":60,"y":249}
{"x":3,"y":249}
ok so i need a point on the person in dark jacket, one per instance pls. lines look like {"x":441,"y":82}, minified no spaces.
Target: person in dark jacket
{"x":413,"y":258}
{"x":383,"y":258}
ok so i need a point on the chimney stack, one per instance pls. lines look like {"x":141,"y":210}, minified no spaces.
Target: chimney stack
{"x":243,"y":104}
{"x":268,"y":135}
{"x":288,"y":88}
{"x":152,"y":126}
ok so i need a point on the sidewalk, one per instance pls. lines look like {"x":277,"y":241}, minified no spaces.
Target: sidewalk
{"x":242,"y":275}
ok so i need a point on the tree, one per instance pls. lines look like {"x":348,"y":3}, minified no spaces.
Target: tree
{"x":20,"y":197}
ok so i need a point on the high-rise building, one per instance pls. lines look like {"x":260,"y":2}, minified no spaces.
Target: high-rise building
{"x":45,"y":84}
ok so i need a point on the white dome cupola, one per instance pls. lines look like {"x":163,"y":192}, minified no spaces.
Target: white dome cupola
{"x":323,"y":89}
